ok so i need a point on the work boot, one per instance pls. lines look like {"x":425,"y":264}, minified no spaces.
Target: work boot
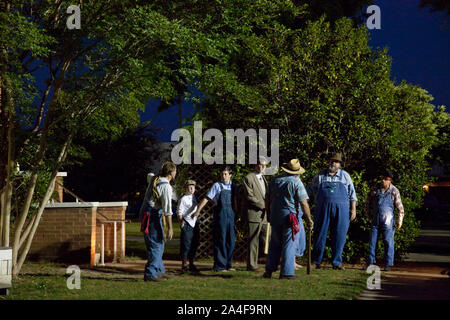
{"x":289,"y":277}
{"x":387,"y":268}
{"x":193,"y":268}
{"x":157,"y":279}
{"x":267,"y":275}
{"x":338,"y":267}
{"x":318,"y":266}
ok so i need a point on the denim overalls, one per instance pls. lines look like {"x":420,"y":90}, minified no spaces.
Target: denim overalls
{"x":332,"y":207}
{"x":154,"y":241}
{"x":223,"y":230}
{"x":383,"y":219}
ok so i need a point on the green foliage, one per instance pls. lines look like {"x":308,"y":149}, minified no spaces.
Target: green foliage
{"x":327,"y":90}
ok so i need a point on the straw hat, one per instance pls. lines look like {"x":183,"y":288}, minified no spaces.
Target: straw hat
{"x":293,"y":167}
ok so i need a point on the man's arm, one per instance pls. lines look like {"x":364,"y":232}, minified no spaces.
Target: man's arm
{"x":399,"y":205}
{"x":166,"y":205}
{"x":306,"y":211}
{"x":352,"y":196}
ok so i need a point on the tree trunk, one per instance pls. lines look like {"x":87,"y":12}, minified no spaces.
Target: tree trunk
{"x":23,"y":254}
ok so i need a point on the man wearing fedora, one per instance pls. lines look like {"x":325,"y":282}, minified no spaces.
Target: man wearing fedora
{"x":335,"y":194}
{"x":255,"y":188}
{"x":285,"y":192}
{"x":382,"y":201}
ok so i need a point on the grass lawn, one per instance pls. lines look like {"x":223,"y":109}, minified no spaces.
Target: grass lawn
{"x":48,"y":281}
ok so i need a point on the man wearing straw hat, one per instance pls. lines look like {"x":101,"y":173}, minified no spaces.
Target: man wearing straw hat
{"x":335,"y":194}
{"x":284,"y":193}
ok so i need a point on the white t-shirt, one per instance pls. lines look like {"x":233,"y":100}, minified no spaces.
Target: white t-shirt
{"x":186,"y":207}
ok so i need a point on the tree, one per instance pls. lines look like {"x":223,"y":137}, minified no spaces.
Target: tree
{"x":327,"y":90}
{"x":94,"y":80}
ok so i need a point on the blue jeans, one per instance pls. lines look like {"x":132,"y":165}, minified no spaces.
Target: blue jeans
{"x":281,"y":246}
{"x":388,"y":239}
{"x":189,"y":242}
{"x":154,"y":241}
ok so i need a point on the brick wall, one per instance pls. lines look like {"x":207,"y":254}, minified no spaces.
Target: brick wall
{"x":71,"y":232}
{"x":65,"y":234}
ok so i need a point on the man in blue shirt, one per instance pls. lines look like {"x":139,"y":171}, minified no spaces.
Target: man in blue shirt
{"x":335,"y":194}
{"x":285,"y":193}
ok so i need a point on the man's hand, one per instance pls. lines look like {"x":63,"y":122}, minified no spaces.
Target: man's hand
{"x":353,"y":216}
{"x":399,"y":225}
{"x":170,"y":234}
{"x":182,"y":223}
{"x":310,"y":224}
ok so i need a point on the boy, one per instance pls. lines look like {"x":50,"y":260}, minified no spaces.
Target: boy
{"x":189,"y":229}
{"x":223,"y":196}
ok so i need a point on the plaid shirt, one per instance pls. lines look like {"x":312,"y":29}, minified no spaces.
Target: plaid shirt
{"x":396,"y":199}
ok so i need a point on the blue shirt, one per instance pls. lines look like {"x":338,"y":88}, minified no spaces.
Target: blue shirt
{"x":285,"y":193}
{"x":216,"y":188}
{"x":341,"y":176}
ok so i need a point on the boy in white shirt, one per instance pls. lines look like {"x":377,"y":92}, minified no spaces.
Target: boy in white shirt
{"x":189,"y":238}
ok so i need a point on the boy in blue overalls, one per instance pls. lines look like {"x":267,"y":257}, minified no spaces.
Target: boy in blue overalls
{"x":382,"y":201}
{"x":223,"y":195}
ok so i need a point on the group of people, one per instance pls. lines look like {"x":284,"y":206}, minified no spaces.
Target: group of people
{"x":274,"y":209}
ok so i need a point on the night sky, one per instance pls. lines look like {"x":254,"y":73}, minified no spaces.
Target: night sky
{"x":418,"y":42}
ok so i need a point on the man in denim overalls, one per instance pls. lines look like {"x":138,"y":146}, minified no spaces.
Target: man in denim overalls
{"x":334,"y":194}
{"x":383,"y":200}
{"x":284,"y":193}
{"x":152,"y":209}
{"x":223,"y":195}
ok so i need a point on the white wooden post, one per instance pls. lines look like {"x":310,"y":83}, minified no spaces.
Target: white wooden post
{"x":102,"y":253}
{"x":123,"y":239}
{"x":115,"y":241}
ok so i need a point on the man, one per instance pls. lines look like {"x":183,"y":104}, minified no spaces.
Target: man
{"x":255,"y":187}
{"x":157,"y":202}
{"x":223,"y":195}
{"x":335,"y":194}
{"x":284,"y":193}
{"x":382,"y":201}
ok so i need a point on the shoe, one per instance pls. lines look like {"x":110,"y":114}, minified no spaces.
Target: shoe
{"x":221,"y":270}
{"x":231,"y":269}
{"x":157,"y":279}
{"x":318,"y":266}
{"x":289,"y":277}
{"x":338,"y":267}
{"x":165,"y":276}
{"x":193,"y":268}
{"x":253,"y":269}
{"x":267,"y":275}
{"x":298,"y":266}
{"x":387,"y":268}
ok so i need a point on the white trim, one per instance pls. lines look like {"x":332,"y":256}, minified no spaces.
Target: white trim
{"x":113,"y":204}
{"x":72,"y":205}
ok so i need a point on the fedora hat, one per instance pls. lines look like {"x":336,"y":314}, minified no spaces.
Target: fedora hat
{"x":293,"y":167}
{"x":336,"y":156}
